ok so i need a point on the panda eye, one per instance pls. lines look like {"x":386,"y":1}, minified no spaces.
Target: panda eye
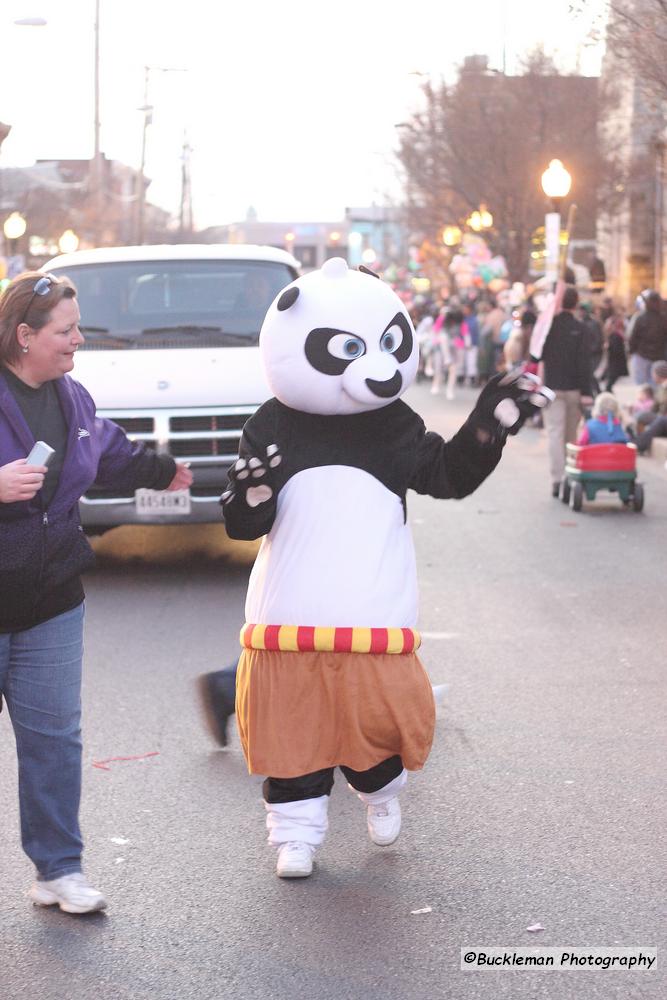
{"x":345,"y":347}
{"x":330,"y":351}
{"x":397,"y":338}
{"x":391,"y":339}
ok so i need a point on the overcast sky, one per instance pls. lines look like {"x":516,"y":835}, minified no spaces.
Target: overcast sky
{"x":289,"y":106}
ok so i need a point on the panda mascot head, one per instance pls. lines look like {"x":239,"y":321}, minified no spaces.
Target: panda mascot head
{"x":338,"y":341}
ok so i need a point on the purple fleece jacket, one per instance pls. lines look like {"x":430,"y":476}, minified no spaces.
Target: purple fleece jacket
{"x":43,"y":550}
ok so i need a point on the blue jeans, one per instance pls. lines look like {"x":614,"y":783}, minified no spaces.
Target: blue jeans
{"x":40,"y":678}
{"x":657,"y":428}
{"x":641,"y":369}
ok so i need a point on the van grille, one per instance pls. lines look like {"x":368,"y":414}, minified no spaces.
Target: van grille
{"x":210,"y":422}
{"x":207,"y":437}
{"x":192,"y":447}
{"x":136,"y":425}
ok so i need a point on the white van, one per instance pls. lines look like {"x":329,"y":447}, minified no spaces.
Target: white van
{"x":172,"y":355}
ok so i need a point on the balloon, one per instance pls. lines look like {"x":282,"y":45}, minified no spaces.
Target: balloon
{"x":498,"y":266}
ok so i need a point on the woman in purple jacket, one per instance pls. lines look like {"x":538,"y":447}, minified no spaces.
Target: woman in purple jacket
{"x":43,"y":552}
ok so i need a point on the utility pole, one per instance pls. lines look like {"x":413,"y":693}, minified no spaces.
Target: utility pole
{"x":4,"y":132}
{"x":141,"y":178}
{"x":148,"y":119}
{"x":97,"y":178}
{"x":658,"y":228}
{"x":186,"y":224}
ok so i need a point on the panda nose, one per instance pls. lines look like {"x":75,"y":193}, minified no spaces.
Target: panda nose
{"x":386,"y":389}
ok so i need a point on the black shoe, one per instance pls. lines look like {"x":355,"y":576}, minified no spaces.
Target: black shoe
{"x":555,"y":490}
{"x":217,"y":696}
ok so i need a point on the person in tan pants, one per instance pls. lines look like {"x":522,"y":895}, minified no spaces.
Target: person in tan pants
{"x":561,"y":421}
{"x":567,"y":370}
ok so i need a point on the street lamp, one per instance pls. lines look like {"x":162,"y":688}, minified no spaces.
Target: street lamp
{"x":480,"y":219}
{"x":556,"y":183}
{"x":68,"y":242}
{"x":485,"y":217}
{"x":451,"y":236}
{"x":14,"y":227}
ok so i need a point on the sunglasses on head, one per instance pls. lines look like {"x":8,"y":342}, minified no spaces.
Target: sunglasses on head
{"x":41,"y":287}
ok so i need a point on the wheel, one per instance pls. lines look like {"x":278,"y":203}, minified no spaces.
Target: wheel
{"x":577,"y":496}
{"x":565,"y":491}
{"x":638,"y":497}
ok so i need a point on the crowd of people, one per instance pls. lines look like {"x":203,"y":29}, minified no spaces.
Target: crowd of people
{"x":465,"y":341}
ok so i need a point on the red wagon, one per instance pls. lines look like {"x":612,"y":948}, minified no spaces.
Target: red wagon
{"x":593,"y":467}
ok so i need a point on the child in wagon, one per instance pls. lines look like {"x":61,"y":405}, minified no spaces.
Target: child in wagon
{"x":604,"y":426}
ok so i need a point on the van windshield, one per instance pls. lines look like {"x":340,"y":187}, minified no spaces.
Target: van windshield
{"x":175,"y":303}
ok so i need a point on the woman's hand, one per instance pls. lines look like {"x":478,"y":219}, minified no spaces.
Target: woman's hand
{"x":183,"y":478}
{"x":19,"y":481}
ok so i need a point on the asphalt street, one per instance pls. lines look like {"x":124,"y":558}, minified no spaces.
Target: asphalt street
{"x":542,"y":802}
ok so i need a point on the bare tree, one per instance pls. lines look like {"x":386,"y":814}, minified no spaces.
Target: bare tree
{"x":487,"y":138}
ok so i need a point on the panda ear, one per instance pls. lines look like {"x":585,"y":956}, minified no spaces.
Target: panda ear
{"x":288,"y":299}
{"x":367,"y":270}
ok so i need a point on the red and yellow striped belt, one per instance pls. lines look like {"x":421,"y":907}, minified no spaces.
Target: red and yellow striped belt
{"x":313,"y":638}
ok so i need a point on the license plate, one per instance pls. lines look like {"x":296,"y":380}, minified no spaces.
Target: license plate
{"x":173,"y":503}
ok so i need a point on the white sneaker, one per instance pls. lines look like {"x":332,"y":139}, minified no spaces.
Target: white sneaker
{"x":295,"y":860}
{"x":72,"y":893}
{"x":384,"y":822}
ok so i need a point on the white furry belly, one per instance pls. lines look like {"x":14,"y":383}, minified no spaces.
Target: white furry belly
{"x":338,"y":554}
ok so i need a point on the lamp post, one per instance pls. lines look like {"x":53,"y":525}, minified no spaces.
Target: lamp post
{"x":556,"y":183}
{"x":451,"y":236}
{"x":480,"y":219}
{"x":14,"y":227}
{"x":68,"y":242}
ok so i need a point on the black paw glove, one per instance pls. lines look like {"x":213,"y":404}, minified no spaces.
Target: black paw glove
{"x":251,"y":480}
{"x":507,"y":401}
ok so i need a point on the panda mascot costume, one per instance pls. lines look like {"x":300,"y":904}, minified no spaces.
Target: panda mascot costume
{"x":329,"y":674}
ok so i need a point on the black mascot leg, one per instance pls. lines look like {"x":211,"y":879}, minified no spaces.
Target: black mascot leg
{"x":217,"y":698}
